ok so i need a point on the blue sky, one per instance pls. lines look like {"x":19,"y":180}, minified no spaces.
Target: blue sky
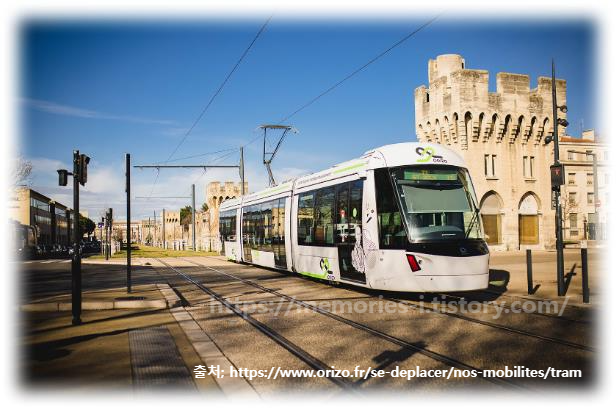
{"x":108,"y":88}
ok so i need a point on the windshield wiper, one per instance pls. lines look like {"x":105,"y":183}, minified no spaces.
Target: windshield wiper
{"x":474,"y":221}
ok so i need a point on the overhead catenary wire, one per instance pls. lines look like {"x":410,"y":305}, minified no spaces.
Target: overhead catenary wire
{"x":214,"y":96}
{"x":349,"y":76}
{"x":358,"y":70}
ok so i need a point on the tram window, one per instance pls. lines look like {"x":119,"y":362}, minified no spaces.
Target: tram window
{"x":391,"y":230}
{"x":280,"y":221}
{"x":355,"y":208}
{"x":266,"y":222}
{"x":305,"y":218}
{"x":324,"y":220}
{"x":258,"y":227}
{"x":342,"y":213}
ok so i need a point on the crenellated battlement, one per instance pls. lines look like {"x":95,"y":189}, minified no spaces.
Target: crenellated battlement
{"x":457,"y":108}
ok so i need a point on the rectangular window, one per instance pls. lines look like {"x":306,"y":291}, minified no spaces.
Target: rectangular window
{"x":489,"y":165}
{"x":589,"y":179}
{"x":605,"y":155}
{"x":392,"y":234}
{"x":342,"y":213}
{"x":493,"y":165}
{"x":355,"y":206}
{"x":324,"y":216}
{"x":590,"y":198}
{"x":528,"y":166}
{"x":531,"y":166}
{"x":571,"y":178}
{"x":589,"y":155}
{"x":305,"y":219}
{"x":572,"y":197}
{"x":570,"y":155}
{"x":573,"y":223}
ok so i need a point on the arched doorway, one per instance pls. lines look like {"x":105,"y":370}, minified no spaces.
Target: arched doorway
{"x":491,"y":208}
{"x":528,"y":220}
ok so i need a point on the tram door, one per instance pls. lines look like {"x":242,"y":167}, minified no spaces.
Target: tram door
{"x":348,"y":228}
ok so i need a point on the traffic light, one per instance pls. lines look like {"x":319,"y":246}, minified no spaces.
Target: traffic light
{"x":83,"y":169}
{"x":62,"y":177}
{"x":557,"y":176}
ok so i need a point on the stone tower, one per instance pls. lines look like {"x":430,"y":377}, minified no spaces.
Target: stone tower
{"x":215,"y":194}
{"x":500,"y":135}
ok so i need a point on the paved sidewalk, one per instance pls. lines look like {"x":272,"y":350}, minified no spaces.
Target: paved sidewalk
{"x":508,"y":274}
{"x":127,"y":342}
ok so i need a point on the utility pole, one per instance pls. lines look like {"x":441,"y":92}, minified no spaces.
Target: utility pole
{"x":128,"y":228}
{"x":242,"y":169}
{"x":80,"y":176}
{"x":164,"y":236}
{"x":557,"y":179}
{"x":154,"y":238}
{"x":194,"y":218}
{"x":76,"y":262}
{"x":240,"y":166}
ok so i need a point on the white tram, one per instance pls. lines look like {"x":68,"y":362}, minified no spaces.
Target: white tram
{"x":403,"y":217}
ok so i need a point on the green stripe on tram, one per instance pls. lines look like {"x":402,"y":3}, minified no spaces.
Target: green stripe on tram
{"x":358,"y":165}
{"x":315,"y":275}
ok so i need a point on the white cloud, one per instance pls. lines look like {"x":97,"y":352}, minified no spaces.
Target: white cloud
{"x":60,"y":109}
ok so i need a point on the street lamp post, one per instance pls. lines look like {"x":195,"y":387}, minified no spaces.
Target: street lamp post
{"x":557,"y":173}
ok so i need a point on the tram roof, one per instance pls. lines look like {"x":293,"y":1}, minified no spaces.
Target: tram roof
{"x":393,"y":155}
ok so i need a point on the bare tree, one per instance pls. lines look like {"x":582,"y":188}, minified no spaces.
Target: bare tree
{"x":570,"y":206}
{"x":21,"y":171}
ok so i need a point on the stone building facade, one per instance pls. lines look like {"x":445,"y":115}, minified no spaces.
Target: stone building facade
{"x":500,"y":135}
{"x":215,"y":194}
{"x":585,"y":216}
{"x":178,"y":236}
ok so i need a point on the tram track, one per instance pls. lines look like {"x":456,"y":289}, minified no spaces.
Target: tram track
{"x":285,"y":343}
{"x":543,"y":314}
{"x":501,"y":327}
{"x":382,"y":335}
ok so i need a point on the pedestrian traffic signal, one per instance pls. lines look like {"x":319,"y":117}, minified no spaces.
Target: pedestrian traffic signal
{"x":557,"y":176}
{"x":62,"y":177}
{"x":83,"y":169}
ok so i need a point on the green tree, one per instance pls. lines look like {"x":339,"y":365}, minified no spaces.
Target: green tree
{"x":86,"y":225}
{"x":205,"y":207}
{"x":186,"y":216}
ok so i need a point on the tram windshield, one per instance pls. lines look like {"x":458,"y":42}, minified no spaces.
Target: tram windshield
{"x":438,"y":203}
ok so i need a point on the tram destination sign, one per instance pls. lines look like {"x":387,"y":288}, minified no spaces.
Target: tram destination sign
{"x":426,"y":174}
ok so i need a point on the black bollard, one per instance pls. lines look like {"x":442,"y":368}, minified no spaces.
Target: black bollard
{"x":529,"y":270}
{"x":585,"y":289}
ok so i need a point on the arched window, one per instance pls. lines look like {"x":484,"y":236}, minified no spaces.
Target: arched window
{"x":455,"y":127}
{"x":480,"y":126}
{"x":491,"y":209}
{"x":506,"y":126}
{"x":528,"y":219}
{"x":533,"y":128}
{"x":468,"y":124}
